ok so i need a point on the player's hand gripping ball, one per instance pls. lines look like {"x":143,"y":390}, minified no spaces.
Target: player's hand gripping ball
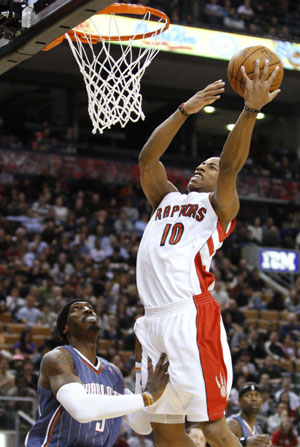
{"x":247,"y":58}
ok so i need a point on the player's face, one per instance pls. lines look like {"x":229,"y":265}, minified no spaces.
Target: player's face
{"x":251,"y":402}
{"x":205,"y":176}
{"x":81,"y":317}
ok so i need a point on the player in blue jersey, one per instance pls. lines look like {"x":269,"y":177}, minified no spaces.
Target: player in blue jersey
{"x":244,"y":424}
{"x":81,"y":400}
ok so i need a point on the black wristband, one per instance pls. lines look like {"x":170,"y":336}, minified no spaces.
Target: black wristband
{"x":181,"y":109}
{"x":243,"y":441}
{"x":251,"y":110}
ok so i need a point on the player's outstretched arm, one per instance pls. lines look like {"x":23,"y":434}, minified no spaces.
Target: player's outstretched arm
{"x":154,"y":179}
{"x":57,"y":374}
{"x":236,"y":149}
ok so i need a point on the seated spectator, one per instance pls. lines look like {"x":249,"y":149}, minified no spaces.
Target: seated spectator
{"x":41,"y":209}
{"x":123,"y":223}
{"x":129,"y":381}
{"x":293,"y":398}
{"x":29,"y":374}
{"x":29,"y":314}
{"x":213,"y":12}
{"x":256,"y":231}
{"x":270,"y":367}
{"x":289,"y":347}
{"x":21,"y":389}
{"x":7,"y":380}
{"x":245,"y":11}
{"x":275,"y":419}
{"x":220,"y":295}
{"x":25,"y":346}
{"x":14,"y":300}
{"x":62,"y":270}
{"x":234,"y":21}
{"x":273,"y":346}
{"x":292,"y":327}
{"x":284,"y":436}
{"x":112,"y":330}
{"x":292,"y":302}
{"x":60,"y":212}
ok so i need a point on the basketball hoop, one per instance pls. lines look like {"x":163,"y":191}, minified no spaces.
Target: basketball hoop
{"x":113,"y":83}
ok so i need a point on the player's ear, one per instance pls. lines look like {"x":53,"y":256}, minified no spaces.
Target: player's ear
{"x":65,"y":331}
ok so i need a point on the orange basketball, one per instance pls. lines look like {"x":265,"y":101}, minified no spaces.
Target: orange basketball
{"x":247,"y":57}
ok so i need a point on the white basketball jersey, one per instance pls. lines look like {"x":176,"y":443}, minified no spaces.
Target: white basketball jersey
{"x":176,"y":249}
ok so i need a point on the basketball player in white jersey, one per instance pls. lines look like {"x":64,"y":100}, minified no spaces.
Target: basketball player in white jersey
{"x":173,"y":278}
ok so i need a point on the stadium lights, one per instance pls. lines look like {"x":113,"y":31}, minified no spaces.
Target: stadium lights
{"x":209,"y":109}
{"x":229,"y":127}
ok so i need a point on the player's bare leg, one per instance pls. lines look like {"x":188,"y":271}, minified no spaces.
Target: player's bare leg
{"x":171,"y":435}
{"x":218,"y":434}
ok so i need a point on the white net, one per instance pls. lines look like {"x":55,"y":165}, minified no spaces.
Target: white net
{"x":113,"y":82}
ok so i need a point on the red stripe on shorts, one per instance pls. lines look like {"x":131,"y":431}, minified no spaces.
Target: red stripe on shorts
{"x":211,"y":354}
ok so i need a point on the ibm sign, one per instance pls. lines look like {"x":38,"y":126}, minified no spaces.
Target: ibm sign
{"x":276,"y":260}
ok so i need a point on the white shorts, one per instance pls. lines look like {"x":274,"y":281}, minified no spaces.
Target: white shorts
{"x":192,"y":334}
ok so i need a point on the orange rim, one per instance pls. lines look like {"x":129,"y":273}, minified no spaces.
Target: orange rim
{"x":116,"y":8}
{"x":124,"y":8}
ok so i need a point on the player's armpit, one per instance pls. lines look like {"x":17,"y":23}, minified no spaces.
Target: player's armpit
{"x":57,"y":369}
{"x":155,"y":183}
{"x":234,"y":426}
{"x":225,"y":202}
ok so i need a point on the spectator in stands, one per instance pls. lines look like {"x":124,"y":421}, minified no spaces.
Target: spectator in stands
{"x":129,"y":380}
{"x":14,"y":301}
{"x":273,"y":346}
{"x":270,"y":367}
{"x":256,"y":345}
{"x":294,"y":400}
{"x":271,"y":234}
{"x":25,"y":346}
{"x":246,"y":12}
{"x":41,"y":209}
{"x":123,"y":223}
{"x":112,"y":330}
{"x":29,"y":374}
{"x":255,"y":282}
{"x":275,"y":419}
{"x":29,"y":314}
{"x":62,"y":270}
{"x":220,"y":294}
{"x":284,"y":436}
{"x":213,"y":12}
{"x":292,"y":301}
{"x":289,"y":347}
{"x":60,"y":212}
{"x":7,"y":380}
{"x":292,"y":327}
{"x":234,"y":21}
{"x":21,"y":389}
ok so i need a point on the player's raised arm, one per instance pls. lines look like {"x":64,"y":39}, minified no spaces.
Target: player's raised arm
{"x":236,"y":149}
{"x":57,"y":374}
{"x":154,"y":179}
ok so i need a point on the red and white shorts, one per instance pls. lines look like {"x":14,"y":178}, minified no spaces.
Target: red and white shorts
{"x":192,"y":334}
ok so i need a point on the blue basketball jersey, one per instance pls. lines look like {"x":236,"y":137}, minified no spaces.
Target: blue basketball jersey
{"x":246,"y":430}
{"x":56,"y":428}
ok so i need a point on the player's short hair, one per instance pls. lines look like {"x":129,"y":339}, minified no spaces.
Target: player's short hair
{"x":63,"y":315}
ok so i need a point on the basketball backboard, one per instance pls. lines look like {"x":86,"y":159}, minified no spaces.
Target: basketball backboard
{"x":27,"y":27}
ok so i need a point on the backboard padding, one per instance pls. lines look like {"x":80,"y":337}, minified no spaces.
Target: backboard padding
{"x":63,"y":16}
